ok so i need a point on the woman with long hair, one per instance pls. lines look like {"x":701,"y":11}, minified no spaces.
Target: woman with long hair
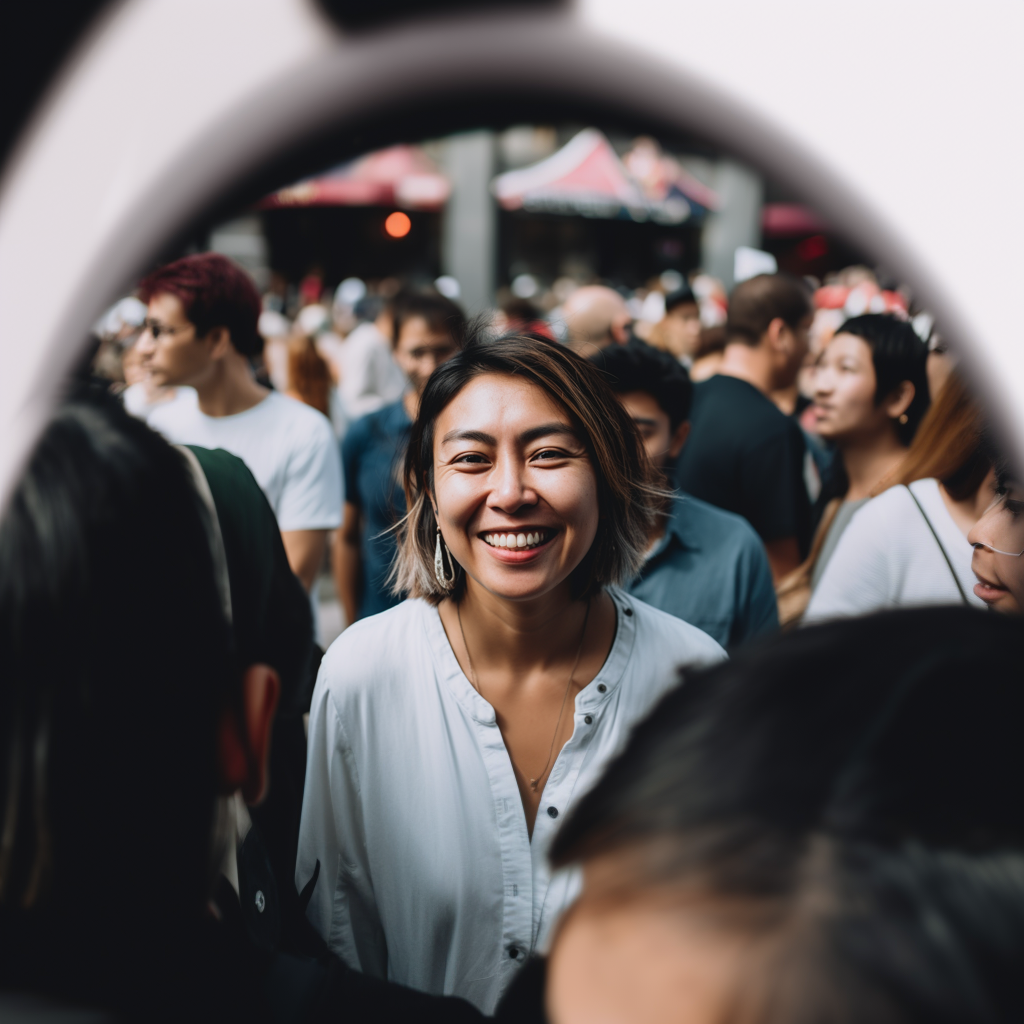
{"x":870,"y":393}
{"x":909,"y":546}
{"x":448,"y":735}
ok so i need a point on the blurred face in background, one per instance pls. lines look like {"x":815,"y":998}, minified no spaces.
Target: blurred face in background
{"x":170,"y":351}
{"x":998,"y":561}
{"x":661,"y":442}
{"x":419,"y":351}
{"x":682,"y":329}
{"x":844,"y":391}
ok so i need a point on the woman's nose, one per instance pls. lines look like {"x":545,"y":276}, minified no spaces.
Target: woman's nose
{"x":511,"y":491}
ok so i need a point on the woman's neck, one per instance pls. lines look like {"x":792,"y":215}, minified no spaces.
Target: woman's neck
{"x":520,"y":636}
{"x":869,"y":461}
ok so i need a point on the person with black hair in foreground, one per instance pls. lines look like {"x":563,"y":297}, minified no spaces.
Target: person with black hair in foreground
{"x":140,"y":679}
{"x":704,"y":565}
{"x":794,"y":837}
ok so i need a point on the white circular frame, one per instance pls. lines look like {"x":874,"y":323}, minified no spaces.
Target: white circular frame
{"x":899,"y":123}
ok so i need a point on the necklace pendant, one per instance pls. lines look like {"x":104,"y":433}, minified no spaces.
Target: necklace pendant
{"x":533,"y":785}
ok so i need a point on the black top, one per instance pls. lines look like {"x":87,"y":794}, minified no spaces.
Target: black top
{"x":746,"y":456}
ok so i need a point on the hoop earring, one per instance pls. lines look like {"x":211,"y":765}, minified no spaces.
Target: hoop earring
{"x":444,"y":581}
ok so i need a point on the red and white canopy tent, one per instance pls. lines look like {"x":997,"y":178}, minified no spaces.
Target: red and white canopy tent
{"x":397,"y":176}
{"x":587,"y":178}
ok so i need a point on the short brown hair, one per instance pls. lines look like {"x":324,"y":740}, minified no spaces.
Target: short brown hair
{"x":628,"y":498}
{"x":756,"y":302}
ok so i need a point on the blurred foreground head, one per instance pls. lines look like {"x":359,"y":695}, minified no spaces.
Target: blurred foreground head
{"x":826,"y":830}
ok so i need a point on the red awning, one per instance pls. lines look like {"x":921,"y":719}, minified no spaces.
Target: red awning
{"x":780,"y":220}
{"x":584,"y":177}
{"x":398,"y":176}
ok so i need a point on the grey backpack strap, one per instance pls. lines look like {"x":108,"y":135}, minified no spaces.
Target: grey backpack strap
{"x":945,"y":554}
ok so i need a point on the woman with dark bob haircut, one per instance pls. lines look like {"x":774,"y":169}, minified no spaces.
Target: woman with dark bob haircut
{"x":449,"y":735}
{"x":870,"y":393}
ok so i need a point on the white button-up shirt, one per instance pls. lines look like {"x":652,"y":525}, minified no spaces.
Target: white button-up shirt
{"x":428,"y":875}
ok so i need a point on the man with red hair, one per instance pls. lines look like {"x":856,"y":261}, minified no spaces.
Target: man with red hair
{"x":200,"y":332}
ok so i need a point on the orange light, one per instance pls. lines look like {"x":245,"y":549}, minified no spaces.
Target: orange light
{"x":398,"y":224}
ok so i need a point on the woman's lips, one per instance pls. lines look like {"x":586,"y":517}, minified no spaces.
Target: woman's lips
{"x":512,"y":555}
{"x":987,"y":590}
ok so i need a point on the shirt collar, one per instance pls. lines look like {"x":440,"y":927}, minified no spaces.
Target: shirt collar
{"x":679,"y":527}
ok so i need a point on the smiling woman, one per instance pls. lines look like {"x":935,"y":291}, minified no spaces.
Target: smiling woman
{"x":449,"y":734}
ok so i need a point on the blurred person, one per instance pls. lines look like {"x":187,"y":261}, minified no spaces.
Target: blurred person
{"x":367,"y":374}
{"x":201,"y":331}
{"x":310,"y":381}
{"x":744,"y":455}
{"x":116,"y":331}
{"x":908,"y":545}
{"x":120,"y":801}
{"x":521,"y":316}
{"x":595,"y":316}
{"x":428,"y":329}
{"x":998,"y":546}
{"x":799,"y":837}
{"x":275,"y":329}
{"x":870,"y":394}
{"x":449,"y":734}
{"x":703,"y":565}
{"x":141,"y":396}
{"x":941,"y":364}
{"x":708,"y":356}
{"x":679,"y":331}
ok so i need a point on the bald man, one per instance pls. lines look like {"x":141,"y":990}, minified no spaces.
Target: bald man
{"x":595,"y":317}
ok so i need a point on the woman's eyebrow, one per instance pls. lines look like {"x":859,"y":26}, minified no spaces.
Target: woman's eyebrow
{"x":469,"y":435}
{"x":533,"y":434}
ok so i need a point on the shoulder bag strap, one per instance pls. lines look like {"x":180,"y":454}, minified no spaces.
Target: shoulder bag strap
{"x":945,"y":554}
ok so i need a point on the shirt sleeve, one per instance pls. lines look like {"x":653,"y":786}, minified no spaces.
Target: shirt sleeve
{"x":343,"y":908}
{"x":757,"y":607}
{"x":858,"y":576}
{"x":774,"y":496}
{"x":313,"y":493}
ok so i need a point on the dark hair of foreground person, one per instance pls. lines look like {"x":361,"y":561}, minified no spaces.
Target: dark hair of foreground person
{"x":845,"y":803}
{"x":122,"y":680}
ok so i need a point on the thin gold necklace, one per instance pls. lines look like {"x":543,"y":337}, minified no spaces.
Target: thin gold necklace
{"x":533,"y":783}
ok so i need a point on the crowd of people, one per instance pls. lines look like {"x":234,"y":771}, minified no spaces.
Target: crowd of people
{"x":611,"y":734}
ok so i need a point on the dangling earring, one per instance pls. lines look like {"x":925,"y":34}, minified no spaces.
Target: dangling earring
{"x":440,"y":550}
{"x":904,"y":418}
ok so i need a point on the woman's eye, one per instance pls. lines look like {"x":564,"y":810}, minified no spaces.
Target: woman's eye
{"x":471,"y":458}
{"x":550,"y":453}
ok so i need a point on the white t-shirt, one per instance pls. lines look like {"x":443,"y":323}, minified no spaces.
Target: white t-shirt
{"x":368,"y":376}
{"x":289,"y":448}
{"x":427,"y":873}
{"x":888,"y":558}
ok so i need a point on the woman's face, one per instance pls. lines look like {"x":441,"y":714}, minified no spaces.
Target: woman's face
{"x":844,"y":391}
{"x":997,"y":538}
{"x":514,"y":488}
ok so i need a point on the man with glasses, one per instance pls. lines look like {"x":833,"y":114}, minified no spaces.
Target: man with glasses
{"x":998,"y":541}
{"x":200,"y":331}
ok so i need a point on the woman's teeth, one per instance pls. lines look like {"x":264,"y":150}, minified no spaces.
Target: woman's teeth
{"x":514,"y":540}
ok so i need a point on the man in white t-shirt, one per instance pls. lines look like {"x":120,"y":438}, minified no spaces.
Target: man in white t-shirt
{"x":200,"y":331}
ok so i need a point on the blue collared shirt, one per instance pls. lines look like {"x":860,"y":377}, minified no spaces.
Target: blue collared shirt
{"x":710,"y":569}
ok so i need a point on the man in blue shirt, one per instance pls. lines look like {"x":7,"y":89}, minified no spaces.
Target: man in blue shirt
{"x":428,"y":331}
{"x":704,"y":565}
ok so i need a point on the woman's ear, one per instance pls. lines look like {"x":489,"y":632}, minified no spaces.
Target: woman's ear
{"x":243,"y":747}
{"x":899,"y":399}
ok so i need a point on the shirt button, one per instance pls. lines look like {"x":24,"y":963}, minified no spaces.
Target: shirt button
{"x":629,"y":612}
{"x":513,"y":952}
{"x":589,"y":719}
{"x":601,"y":688}
{"x":552,"y":812}
{"x":261,"y":901}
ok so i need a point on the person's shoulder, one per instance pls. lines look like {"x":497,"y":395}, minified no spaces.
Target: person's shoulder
{"x":661,"y":635}
{"x":373,"y":651}
{"x":296,"y":419}
{"x":716,"y":523}
{"x":183,"y":407}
